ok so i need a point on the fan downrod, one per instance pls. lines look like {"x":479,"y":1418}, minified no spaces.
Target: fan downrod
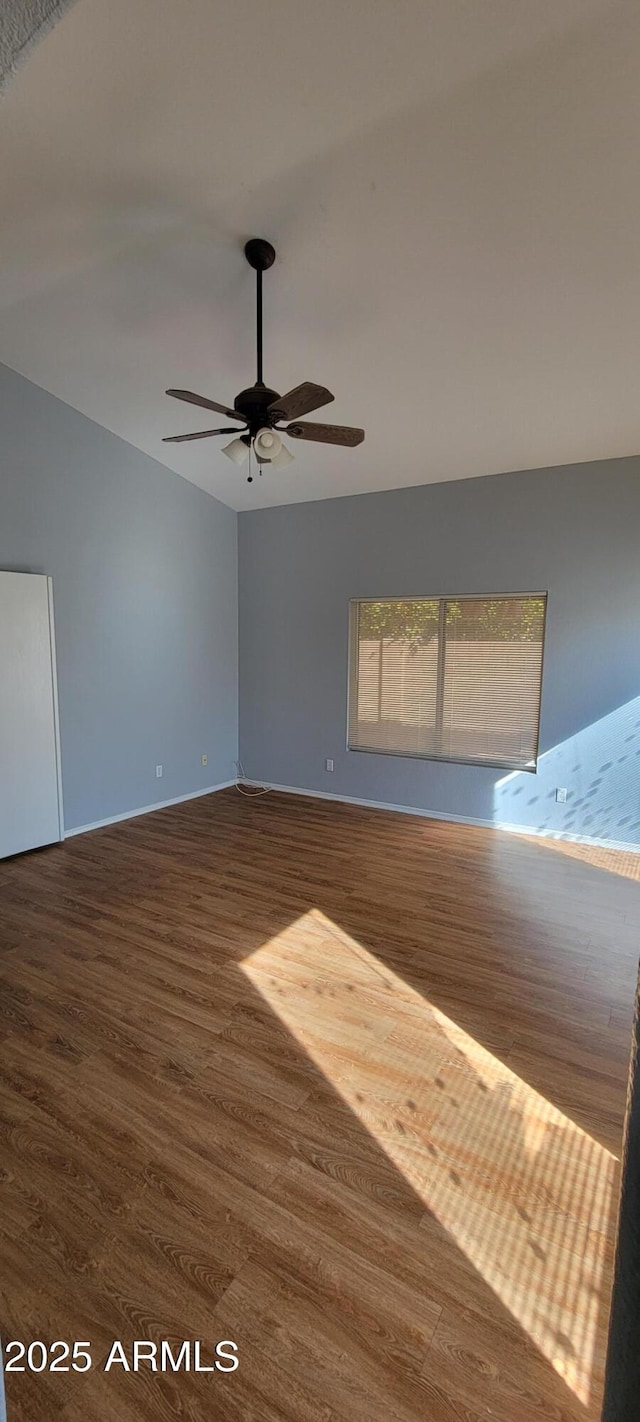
{"x":259,"y":254}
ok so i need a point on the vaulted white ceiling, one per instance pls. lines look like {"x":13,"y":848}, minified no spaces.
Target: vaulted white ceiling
{"x":453,"y":189}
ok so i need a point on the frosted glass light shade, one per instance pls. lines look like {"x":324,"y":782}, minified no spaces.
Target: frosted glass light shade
{"x":237,"y":451}
{"x":282,"y":459}
{"x":267,"y":445}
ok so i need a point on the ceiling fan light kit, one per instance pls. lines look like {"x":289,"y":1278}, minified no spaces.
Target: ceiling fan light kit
{"x":259,"y":409}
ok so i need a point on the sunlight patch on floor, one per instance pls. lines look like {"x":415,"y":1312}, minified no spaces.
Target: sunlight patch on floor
{"x":522,"y":1190}
{"x":615,"y":861}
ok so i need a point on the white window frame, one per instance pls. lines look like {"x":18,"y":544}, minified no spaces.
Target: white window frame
{"x":442,"y":599}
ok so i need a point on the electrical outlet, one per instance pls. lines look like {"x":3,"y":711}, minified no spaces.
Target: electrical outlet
{"x":561,"y":796}
{"x":158,"y":772}
{"x":328,"y":765}
{"x":204,"y":759}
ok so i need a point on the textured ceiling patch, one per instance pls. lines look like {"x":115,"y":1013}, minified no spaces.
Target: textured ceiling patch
{"x":22,"y":24}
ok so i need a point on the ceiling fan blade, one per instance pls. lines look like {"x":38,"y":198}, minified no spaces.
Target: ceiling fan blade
{"x":326,"y":434}
{"x":301,"y":401}
{"x":192,"y":399}
{"x":200,"y":434}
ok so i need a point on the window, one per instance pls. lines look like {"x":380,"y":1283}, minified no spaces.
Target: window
{"x":450,"y":678}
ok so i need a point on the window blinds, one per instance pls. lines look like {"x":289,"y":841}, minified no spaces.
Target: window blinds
{"x":455,"y":678}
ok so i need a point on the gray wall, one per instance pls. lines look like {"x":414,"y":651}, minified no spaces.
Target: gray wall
{"x":574,"y":531}
{"x":145,"y":592}
{"x":144,"y":570}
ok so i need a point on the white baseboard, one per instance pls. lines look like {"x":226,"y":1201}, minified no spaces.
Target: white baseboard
{"x":147,"y":809}
{"x":459,"y":819}
{"x":370,"y":805}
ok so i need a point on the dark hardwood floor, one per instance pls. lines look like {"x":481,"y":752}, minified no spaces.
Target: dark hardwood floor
{"x":341,"y":1086}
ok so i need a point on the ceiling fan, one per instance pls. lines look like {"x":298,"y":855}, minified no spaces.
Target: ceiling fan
{"x":261,"y":410}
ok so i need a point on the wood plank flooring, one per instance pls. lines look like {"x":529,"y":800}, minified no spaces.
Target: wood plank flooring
{"x":342,"y":1086}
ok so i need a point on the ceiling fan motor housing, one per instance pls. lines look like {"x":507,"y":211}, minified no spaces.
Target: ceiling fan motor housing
{"x":254,"y":404}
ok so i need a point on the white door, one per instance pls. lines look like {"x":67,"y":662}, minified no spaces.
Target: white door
{"x":30,"y":805}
